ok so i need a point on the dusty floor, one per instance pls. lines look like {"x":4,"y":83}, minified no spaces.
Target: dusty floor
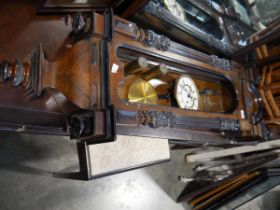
{"x":27,"y":183}
{"x":27,"y":163}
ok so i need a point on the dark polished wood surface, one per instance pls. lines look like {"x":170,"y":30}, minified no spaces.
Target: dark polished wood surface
{"x":22,"y":31}
{"x":72,"y":72}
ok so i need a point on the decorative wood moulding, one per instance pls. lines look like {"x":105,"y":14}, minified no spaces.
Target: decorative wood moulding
{"x":159,"y":11}
{"x":151,"y":39}
{"x":230,"y":125}
{"x":220,"y":63}
{"x":155,"y":119}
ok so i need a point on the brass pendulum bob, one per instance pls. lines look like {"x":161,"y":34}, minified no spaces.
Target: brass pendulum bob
{"x":142,"y":91}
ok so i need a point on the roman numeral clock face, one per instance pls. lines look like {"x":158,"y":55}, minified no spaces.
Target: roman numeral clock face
{"x":186,"y":93}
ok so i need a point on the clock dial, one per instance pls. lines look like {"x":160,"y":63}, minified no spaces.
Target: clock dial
{"x":186,"y":93}
{"x":175,"y":9}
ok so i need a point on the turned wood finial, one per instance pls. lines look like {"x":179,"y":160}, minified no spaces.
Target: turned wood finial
{"x":17,"y":72}
{"x":27,"y":74}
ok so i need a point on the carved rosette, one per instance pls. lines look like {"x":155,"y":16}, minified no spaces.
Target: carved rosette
{"x":220,"y":63}
{"x":151,"y":39}
{"x":230,"y":125}
{"x":154,"y":119}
